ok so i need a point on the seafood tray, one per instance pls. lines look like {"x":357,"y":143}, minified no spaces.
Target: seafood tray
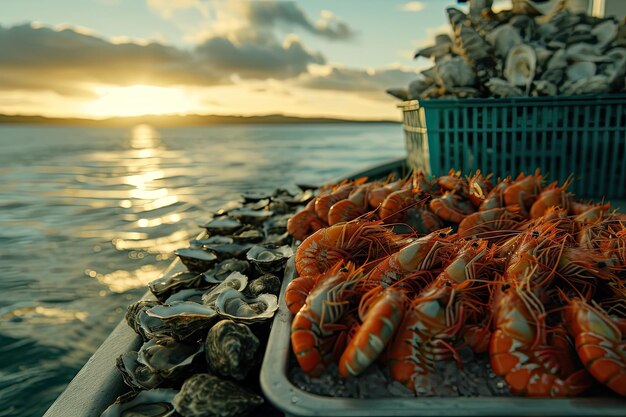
{"x":293,"y":401}
{"x":562,"y":135}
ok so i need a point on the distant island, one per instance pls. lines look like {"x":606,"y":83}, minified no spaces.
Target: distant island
{"x":170,"y":120}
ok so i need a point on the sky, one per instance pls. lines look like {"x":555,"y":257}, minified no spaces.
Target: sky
{"x":102,"y":58}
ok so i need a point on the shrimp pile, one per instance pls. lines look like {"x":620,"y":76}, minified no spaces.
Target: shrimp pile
{"x":514,"y":269}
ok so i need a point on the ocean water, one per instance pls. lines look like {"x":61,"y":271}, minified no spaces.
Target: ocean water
{"x":88,"y":216}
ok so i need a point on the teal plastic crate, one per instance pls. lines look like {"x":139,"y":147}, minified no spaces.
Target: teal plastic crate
{"x":584,"y":136}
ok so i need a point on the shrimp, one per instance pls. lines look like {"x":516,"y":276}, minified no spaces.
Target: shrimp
{"x":350,"y":208}
{"x":305,"y":222}
{"x":451,"y":207}
{"x":420,"y":255}
{"x":314,"y":329}
{"x":298,"y":290}
{"x":519,"y":350}
{"x":495,"y":198}
{"x":523,"y":191}
{"x":356,"y":240}
{"x":490,"y":224}
{"x":551,"y":196}
{"x":479,"y":188}
{"x":600,"y":342}
{"x":324,"y":202}
{"x":394,"y":207}
{"x":383,"y":313}
{"x":421,"y":337}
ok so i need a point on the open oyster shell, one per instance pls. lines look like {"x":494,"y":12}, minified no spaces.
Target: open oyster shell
{"x":152,"y":403}
{"x":136,"y":375}
{"x":223,"y":225}
{"x":231,"y":349}
{"x":206,"y":395}
{"x":234,"y":305}
{"x":167,"y":357}
{"x":235,"y":280}
{"x":222,"y":270}
{"x":184,"y":321}
{"x":134,"y":312}
{"x":268,"y":259}
{"x":164,"y":287}
{"x":265,"y":284}
{"x":190,"y":294}
{"x":250,"y":216}
{"x":196,"y":260}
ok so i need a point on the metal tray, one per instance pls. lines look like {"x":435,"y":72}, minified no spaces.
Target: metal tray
{"x":293,"y":401}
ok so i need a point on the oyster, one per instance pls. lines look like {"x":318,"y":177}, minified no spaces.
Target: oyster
{"x":134,"y":312}
{"x":248,"y":236}
{"x":196,"y":260}
{"x":455,"y":72}
{"x":255,"y":196}
{"x":164,"y":287}
{"x":206,"y":395}
{"x":167,"y":357}
{"x":501,"y":88}
{"x":152,"y":403}
{"x":265,"y":284}
{"x":294,"y":200}
{"x":277,"y":240}
{"x":230,"y":250}
{"x":269,"y":259}
{"x":135,"y":374}
{"x":233,"y":305}
{"x":157,"y":361}
{"x":222,"y":270}
{"x":231,"y":349}
{"x":249,"y":216}
{"x":521,"y":64}
{"x":277,"y":225}
{"x":235,"y":280}
{"x":190,"y":294}
{"x":212,"y":240}
{"x":183,"y":320}
{"x":223,"y":225}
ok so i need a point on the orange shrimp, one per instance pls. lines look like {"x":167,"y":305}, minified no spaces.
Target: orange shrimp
{"x":451,"y":207}
{"x":298,"y":290}
{"x":324,"y":202}
{"x":551,"y":196}
{"x":490,"y":224}
{"x":314,"y":329}
{"x":356,"y":240}
{"x":495,"y":198}
{"x":600,"y":342}
{"x":305,"y":222}
{"x":378,"y":194}
{"x":422,"y":220}
{"x":350,"y":208}
{"x":381,"y":315}
{"x":421,"y":337}
{"x":523,"y":191}
{"x":518,"y":349}
{"x":394,"y":207}
{"x":593,"y":214}
{"x":479,"y":188}
{"x":419,"y":255}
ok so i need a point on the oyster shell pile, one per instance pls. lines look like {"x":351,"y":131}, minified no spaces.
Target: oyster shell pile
{"x":214,"y":317}
{"x":522,"y":52}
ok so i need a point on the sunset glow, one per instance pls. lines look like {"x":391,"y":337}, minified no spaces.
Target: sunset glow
{"x":137,"y":100}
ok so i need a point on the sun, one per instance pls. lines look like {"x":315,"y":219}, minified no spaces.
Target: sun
{"x":136,"y":100}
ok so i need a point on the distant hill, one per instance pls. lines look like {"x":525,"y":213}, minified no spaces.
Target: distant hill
{"x":177,"y":120}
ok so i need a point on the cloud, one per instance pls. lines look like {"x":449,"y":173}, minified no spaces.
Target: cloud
{"x":66,"y":61}
{"x":356,"y":80}
{"x":413,"y":6}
